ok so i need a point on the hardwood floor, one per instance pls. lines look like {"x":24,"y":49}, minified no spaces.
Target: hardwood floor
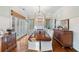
{"x":58,"y":48}
{"x":22,"y":46}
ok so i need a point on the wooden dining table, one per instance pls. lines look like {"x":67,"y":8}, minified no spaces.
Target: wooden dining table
{"x":40,"y":37}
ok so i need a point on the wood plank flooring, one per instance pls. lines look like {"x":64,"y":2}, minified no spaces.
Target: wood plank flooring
{"x":58,"y":48}
{"x":22,"y":46}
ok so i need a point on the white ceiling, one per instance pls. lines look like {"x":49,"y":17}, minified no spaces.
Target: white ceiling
{"x":31,"y":11}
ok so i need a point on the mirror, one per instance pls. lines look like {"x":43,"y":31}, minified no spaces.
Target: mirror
{"x":64,"y":24}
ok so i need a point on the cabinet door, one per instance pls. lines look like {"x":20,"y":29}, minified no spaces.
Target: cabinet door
{"x":11,"y":42}
{"x":67,"y":39}
{"x":4,"y":44}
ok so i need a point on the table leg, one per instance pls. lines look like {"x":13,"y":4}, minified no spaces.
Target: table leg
{"x":40,"y":45}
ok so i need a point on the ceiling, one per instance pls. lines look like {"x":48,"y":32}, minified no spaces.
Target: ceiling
{"x":32,"y":11}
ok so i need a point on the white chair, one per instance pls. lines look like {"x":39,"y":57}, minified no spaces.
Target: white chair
{"x":33,"y":45}
{"x":47,"y":45}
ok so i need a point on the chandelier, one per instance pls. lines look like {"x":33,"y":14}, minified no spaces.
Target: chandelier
{"x":39,"y":20}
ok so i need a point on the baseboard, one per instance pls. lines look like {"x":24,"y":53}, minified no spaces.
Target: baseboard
{"x":74,"y":49}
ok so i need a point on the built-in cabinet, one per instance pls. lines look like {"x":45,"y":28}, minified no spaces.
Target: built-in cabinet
{"x":8,"y":42}
{"x":65,"y":38}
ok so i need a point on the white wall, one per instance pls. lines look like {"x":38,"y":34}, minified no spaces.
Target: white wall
{"x":5,"y":18}
{"x":71,"y":13}
{"x":5,"y":23}
{"x":5,"y":11}
{"x":74,"y":26}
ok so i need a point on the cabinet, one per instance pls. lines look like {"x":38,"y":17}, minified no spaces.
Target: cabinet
{"x":65,"y":38}
{"x":8,"y":42}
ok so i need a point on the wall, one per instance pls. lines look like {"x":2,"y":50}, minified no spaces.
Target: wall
{"x":4,"y":23}
{"x":22,"y":26}
{"x":71,"y":13}
{"x":74,"y":26}
{"x":5,"y":11}
{"x":5,"y":19}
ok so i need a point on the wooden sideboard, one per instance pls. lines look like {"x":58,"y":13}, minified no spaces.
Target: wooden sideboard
{"x":8,"y":42}
{"x":65,"y":38}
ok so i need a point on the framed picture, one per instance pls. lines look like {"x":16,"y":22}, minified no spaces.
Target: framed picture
{"x":64,"y":24}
